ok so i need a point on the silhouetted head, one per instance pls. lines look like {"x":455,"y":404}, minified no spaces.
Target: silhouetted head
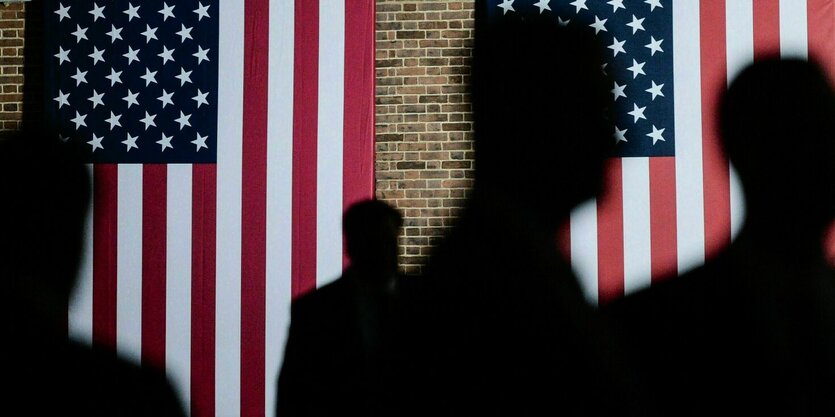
{"x":371,"y":228}
{"x":46,"y":193}
{"x":778,"y":129}
{"x":540,"y":103}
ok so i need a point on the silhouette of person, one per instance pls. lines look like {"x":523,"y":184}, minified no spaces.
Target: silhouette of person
{"x":753,"y":330}
{"x":46,"y":197}
{"x":498,"y":326}
{"x":339,"y":333}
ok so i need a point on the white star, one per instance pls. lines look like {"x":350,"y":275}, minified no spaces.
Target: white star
{"x":637,"y":24}
{"x":95,"y":142}
{"x":132,"y":55}
{"x":654,"y":45}
{"x":202,"y":11}
{"x":132,"y":12}
{"x":114,"y":77}
{"x":166,"y":55}
{"x":200,"y":142}
{"x":63,"y":12}
{"x":617,"y":47}
{"x":79,"y":120}
{"x":201,"y":54}
{"x":543,"y":5}
{"x":165,"y":142}
{"x":165,"y":98}
{"x":656,"y":135}
{"x":653,"y":4}
{"x":579,"y":4}
{"x":185,"y":33}
{"x":563,"y":22}
{"x":167,"y":11}
{"x":183,"y":120}
{"x":599,"y":25}
{"x":130,"y":142}
{"x":637,"y":113}
{"x":615,"y":5}
{"x":79,"y":77}
{"x":115,"y":33}
{"x":96,"y":99}
{"x":62,"y":99}
{"x":184,"y":77}
{"x":97,"y":12}
{"x":200,"y":98}
{"x":97,"y":55}
{"x":114,"y":120}
{"x":637,"y":68}
{"x":507,"y":5}
{"x":618,"y":91}
{"x":603,"y":68}
{"x":655,"y":90}
{"x":80,"y":33}
{"x":63,"y":138}
{"x":149,"y":120}
{"x":149,"y":77}
{"x":62,"y":55}
{"x":620,"y":135}
{"x":131,"y":98}
{"x":149,"y":33}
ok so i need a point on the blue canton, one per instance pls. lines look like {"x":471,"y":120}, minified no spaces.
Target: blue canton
{"x":638,"y":40}
{"x":134,"y":81}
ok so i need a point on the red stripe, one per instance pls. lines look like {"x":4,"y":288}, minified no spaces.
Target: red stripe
{"x":821,"y":33}
{"x":203,"y":264}
{"x":305,"y":133}
{"x":105,"y":225}
{"x":766,"y":28}
{"x":610,"y":234}
{"x":821,"y":37}
{"x":358,"y":132}
{"x":717,"y":194}
{"x":254,"y":206}
{"x":564,"y":239}
{"x":662,"y":209}
{"x":154,"y":227}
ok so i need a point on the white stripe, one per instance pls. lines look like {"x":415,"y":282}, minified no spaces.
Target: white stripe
{"x":279,"y":192}
{"x":740,"y":35}
{"x":80,"y":315}
{"x":229,"y":167}
{"x":584,"y":248}
{"x":637,"y":246}
{"x":690,"y":223}
{"x":329,"y":154}
{"x":178,"y":279}
{"x":129,"y":262}
{"x":794,"y":42}
{"x":740,"y":53}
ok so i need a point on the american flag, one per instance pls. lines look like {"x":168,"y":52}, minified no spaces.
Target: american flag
{"x":225,"y":139}
{"x":672,"y":198}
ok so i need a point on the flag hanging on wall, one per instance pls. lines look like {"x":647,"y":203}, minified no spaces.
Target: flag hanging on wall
{"x":225,"y":139}
{"x":672,"y":198}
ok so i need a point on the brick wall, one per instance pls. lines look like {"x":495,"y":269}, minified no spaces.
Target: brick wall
{"x":424,"y":126}
{"x":11,"y":65}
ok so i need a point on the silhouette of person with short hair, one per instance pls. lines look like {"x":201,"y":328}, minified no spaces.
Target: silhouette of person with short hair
{"x":753,"y":330}
{"x":46,"y":198}
{"x":339,"y":333}
{"x":498,"y":325}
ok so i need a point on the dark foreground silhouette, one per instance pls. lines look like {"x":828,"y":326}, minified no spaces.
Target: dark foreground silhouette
{"x":498,"y":325}
{"x":339,"y":333}
{"x":45,"y":197}
{"x":753,"y":331}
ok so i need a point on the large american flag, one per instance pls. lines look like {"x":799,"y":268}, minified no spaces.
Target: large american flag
{"x":672,"y":198}
{"x":225,"y":138}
